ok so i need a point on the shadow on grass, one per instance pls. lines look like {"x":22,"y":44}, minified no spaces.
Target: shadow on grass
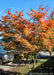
{"x":47,"y":67}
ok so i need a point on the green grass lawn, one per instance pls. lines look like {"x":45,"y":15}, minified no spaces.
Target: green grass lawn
{"x":24,"y":70}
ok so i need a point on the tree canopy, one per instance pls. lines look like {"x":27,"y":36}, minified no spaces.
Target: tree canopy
{"x":26,"y":35}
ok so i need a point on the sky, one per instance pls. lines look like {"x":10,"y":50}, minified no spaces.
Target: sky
{"x":25,"y":5}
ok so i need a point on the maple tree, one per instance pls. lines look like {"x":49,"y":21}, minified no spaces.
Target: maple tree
{"x":25,"y":35}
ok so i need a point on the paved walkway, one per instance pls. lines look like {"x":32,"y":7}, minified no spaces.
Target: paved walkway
{"x":11,"y":66}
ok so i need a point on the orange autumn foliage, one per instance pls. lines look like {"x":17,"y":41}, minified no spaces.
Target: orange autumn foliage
{"x":22,"y":34}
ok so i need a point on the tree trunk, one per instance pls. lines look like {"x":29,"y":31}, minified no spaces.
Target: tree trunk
{"x":50,"y":53}
{"x":34,"y":63}
{"x":28,"y":63}
{"x":35,"y":60}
